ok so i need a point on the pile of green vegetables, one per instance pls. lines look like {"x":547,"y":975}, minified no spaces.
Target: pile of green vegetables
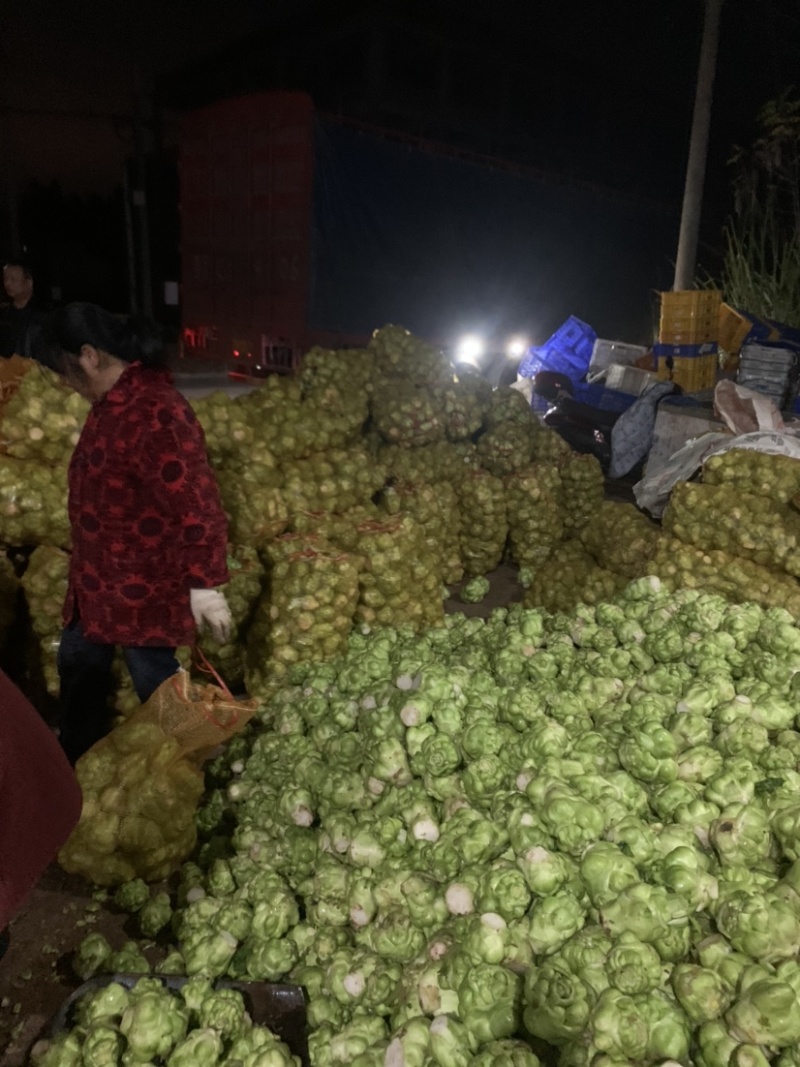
{"x":575,"y":831}
{"x":387,"y":433}
{"x":196,"y":1026}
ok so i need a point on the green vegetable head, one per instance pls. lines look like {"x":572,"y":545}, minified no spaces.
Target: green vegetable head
{"x":557,"y":1002}
{"x":202,"y":1048}
{"x":153,"y":1024}
{"x":452,"y":1042}
{"x":633,"y":966}
{"x":489,"y":1002}
{"x":605,"y":871}
{"x":761,"y":925}
{"x":554,"y":920}
{"x":506,"y":1053}
{"x":767,"y":1013}
{"x":702,"y":993}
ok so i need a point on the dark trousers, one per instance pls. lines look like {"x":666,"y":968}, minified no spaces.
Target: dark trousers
{"x":84,"y":668}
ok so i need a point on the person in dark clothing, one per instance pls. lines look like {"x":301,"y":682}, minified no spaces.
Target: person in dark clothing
{"x":22,"y":311}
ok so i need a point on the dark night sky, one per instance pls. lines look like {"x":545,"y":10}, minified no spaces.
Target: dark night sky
{"x":604,"y":88}
{"x":76,"y":55}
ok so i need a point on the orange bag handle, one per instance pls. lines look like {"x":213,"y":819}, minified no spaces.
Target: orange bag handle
{"x":202,"y":663}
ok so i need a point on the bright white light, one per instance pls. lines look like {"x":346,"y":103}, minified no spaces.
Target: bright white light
{"x":470,"y":349}
{"x":517,"y":347}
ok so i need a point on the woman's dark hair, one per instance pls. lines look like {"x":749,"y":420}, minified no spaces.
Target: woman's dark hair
{"x":133,"y":339}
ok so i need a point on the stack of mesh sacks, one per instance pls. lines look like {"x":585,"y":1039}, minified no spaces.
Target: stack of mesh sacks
{"x":45,"y":586}
{"x":621,"y":539}
{"x":40,"y":426}
{"x":435,"y":509}
{"x":571,"y":577}
{"x":737,"y":533}
{"x":307,"y":612}
{"x":727,"y":519}
{"x":334,"y":481}
{"x":535,"y":517}
{"x":510,"y":439}
{"x":400,"y":583}
{"x":484,"y":526}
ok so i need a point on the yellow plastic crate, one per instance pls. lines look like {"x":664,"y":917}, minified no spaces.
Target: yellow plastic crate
{"x":689,"y":317}
{"x":733,"y":329}
{"x":693,"y":374}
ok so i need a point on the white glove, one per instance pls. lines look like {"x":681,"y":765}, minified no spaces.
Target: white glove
{"x":210,"y":608}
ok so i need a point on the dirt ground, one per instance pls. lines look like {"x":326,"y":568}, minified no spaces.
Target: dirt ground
{"x":35,"y":974}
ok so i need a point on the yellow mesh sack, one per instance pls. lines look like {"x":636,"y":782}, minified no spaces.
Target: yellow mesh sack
{"x":142,"y":783}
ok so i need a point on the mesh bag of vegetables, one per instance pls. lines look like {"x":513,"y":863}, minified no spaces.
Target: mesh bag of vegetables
{"x":452,"y":568}
{"x":399,"y":354}
{"x":45,"y":586}
{"x":340,"y":530}
{"x":509,"y":405}
{"x":535,"y":516}
{"x":571,"y":577}
{"x":341,"y":409}
{"x":549,"y":446}
{"x":306,"y":615}
{"x":257,"y":512}
{"x":406,"y":414}
{"x":435,"y":509}
{"x":506,"y":447}
{"x":681,"y":566}
{"x":484,"y":522}
{"x":242,"y":593}
{"x":346,"y":367}
{"x":582,"y":491}
{"x":33,"y":503}
{"x":400,"y":583}
{"x":776,"y":477}
{"x":433,"y":464}
{"x":621,"y":539}
{"x":463,"y":404}
{"x":292,"y":427}
{"x":335,"y":480}
{"x":141,"y":785}
{"x":227,"y":426}
{"x":43,"y":419}
{"x":724,"y":518}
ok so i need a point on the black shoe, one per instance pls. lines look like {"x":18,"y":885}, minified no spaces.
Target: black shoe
{"x":5,"y":939}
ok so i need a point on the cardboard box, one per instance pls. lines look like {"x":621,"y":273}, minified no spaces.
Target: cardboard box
{"x":676,"y":424}
{"x":631,"y":380}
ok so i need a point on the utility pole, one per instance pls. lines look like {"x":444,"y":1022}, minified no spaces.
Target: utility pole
{"x":686,"y":260}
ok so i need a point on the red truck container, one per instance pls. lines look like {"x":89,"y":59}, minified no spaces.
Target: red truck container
{"x":298,"y":229}
{"x":246,"y":177}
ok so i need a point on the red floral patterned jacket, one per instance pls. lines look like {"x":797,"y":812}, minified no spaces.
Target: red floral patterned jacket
{"x":145,"y":513}
{"x":40,"y":799}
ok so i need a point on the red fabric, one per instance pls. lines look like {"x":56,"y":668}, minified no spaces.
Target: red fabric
{"x":40,"y":799}
{"x":144,"y":508}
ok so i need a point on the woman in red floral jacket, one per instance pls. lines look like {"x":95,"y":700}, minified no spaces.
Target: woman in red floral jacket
{"x":149,"y":536}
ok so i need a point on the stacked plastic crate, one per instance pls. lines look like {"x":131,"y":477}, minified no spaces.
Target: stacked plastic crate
{"x":687,"y":347}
